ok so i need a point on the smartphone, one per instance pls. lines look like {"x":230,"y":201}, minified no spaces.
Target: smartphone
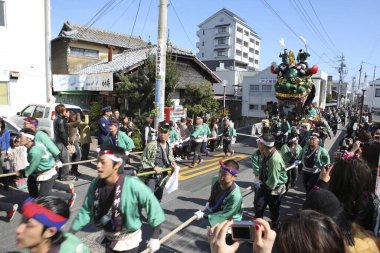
{"x":243,"y":231}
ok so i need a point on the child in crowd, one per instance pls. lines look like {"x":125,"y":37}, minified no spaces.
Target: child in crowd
{"x":18,"y":158}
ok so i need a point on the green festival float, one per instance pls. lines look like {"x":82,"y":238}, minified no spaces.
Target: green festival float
{"x":294,"y":88}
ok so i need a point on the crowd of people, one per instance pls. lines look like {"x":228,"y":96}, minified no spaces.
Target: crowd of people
{"x":340,"y":213}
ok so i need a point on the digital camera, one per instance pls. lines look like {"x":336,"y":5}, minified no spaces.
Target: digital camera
{"x":243,"y":230}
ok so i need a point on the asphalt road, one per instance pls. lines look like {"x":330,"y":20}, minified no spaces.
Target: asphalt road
{"x":179,"y":206}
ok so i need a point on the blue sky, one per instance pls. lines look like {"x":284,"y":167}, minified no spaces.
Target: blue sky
{"x":330,"y":27}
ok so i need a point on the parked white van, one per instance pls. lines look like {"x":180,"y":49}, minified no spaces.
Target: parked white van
{"x":44,"y":113}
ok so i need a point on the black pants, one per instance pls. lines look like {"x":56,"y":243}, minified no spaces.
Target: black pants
{"x":197,"y":152}
{"x":152,"y":183}
{"x":64,"y":157}
{"x":264,"y":198}
{"x":47,"y":186}
{"x":85,"y":151}
{"x":227,"y":146}
{"x":292,"y":177}
{"x":309,"y":180}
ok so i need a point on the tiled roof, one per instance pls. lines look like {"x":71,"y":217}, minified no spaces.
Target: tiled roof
{"x":89,"y":34}
{"x":132,"y":58}
{"x":123,"y":61}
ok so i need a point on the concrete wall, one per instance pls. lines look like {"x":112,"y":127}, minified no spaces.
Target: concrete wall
{"x":22,"y":49}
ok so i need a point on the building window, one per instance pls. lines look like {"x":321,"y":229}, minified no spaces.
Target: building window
{"x":246,"y":33}
{"x":203,"y":32}
{"x":239,"y":41}
{"x":2,"y":13}
{"x":203,"y":43}
{"x":239,"y":29}
{"x":221,"y":52}
{"x":252,"y":40}
{"x":263,"y":107}
{"x":238,"y":52}
{"x":250,"y":59}
{"x":82,"y":52}
{"x":254,"y":88}
{"x":222,"y":41}
{"x":256,"y":61}
{"x":222,"y":29}
{"x":251,"y":50}
{"x":203,"y":54}
{"x":377,"y":93}
{"x":245,"y":55}
{"x":4,"y":95}
{"x":257,"y":52}
{"x":257,"y":43}
{"x":253,"y":107}
{"x":245,"y":43}
{"x":266,"y":88}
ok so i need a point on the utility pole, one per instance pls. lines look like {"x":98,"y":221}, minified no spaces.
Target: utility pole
{"x":161,"y":62}
{"x":360,"y":77}
{"x":341,"y":72}
{"x":353,"y":97}
{"x":373,"y":88}
{"x":49,"y":90}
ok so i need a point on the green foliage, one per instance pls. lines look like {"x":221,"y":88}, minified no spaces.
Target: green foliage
{"x":95,"y":114}
{"x":199,"y":99}
{"x":137,"y":139}
{"x":139,"y":87}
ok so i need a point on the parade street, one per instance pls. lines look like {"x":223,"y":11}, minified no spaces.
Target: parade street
{"x":179,"y":206}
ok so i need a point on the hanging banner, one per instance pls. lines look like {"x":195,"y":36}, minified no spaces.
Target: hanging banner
{"x":92,"y":82}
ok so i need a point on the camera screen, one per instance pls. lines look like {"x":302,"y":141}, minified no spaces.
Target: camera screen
{"x":242,"y":233}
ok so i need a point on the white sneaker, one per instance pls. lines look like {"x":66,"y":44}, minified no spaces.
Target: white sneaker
{"x":179,"y":159}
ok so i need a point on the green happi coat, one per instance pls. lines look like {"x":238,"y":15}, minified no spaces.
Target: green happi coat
{"x":72,"y":244}
{"x":286,"y":156}
{"x":43,"y":138}
{"x":322,"y":158}
{"x":173,"y":136}
{"x":231,"y":206}
{"x":276,"y":169}
{"x":198,"y":133}
{"x":40,"y":160}
{"x":149,"y":155}
{"x":124,"y":141}
{"x":134,"y":197}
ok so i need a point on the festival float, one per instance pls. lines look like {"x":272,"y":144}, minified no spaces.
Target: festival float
{"x":294,"y":88}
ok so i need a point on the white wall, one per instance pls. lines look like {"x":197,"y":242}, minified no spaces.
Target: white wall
{"x":22,"y":50}
{"x":320,"y":84}
{"x":368,"y":96}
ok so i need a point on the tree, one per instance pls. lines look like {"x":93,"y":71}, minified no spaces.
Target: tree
{"x":139,"y":88}
{"x":199,"y":99}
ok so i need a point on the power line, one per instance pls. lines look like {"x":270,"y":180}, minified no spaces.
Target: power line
{"x":323,"y":27}
{"x":289,"y":27}
{"x":100,"y":13}
{"x":123,"y":13}
{"x":146,"y":18}
{"x":183,"y":27}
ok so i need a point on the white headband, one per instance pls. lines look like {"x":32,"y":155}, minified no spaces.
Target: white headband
{"x":268,"y":144}
{"x":114,"y":158}
{"x":30,"y":136}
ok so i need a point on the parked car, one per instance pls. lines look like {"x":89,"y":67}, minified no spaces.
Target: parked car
{"x":12,"y":127}
{"x":44,"y":113}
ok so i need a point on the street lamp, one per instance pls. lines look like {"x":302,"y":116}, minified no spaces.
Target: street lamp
{"x":224,"y":84}
{"x":361,"y":106}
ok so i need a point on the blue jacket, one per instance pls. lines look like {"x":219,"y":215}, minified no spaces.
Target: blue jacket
{"x":5,"y":139}
{"x":104,"y":129}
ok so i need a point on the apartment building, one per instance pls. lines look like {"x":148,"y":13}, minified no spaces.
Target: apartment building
{"x":227,"y":38}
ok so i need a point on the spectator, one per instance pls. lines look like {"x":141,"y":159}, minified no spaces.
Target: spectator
{"x":85,"y":136}
{"x":309,"y":232}
{"x":61,"y":137}
{"x":74,"y":139}
{"x":126,"y":126}
{"x":18,"y":157}
{"x":352,"y":184}
{"x":214,"y":134}
{"x":149,"y":131}
{"x":116,"y":115}
{"x":104,"y":124}
{"x":5,"y":164}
